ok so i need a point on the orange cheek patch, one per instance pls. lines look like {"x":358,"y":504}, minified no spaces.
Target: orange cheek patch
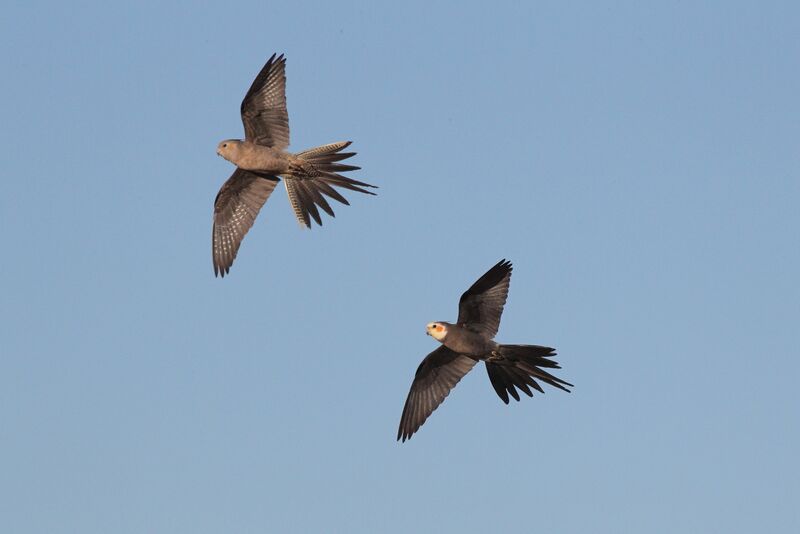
{"x":439,"y":329}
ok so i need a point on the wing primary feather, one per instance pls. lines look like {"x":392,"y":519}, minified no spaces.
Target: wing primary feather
{"x":436,"y":376}
{"x":235,"y":209}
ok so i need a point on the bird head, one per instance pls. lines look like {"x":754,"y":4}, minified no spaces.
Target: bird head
{"x":437,"y":330}
{"x":228,"y":149}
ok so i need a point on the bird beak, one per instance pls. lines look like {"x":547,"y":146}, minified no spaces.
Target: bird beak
{"x":427,"y":331}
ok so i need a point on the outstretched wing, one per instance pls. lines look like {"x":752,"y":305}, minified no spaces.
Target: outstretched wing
{"x":438,"y":373}
{"x":264,"y":115}
{"x":482,"y":304}
{"x":235,"y":208}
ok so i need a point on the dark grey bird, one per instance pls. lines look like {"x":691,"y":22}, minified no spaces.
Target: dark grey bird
{"x":470,"y":340}
{"x":261,"y":161}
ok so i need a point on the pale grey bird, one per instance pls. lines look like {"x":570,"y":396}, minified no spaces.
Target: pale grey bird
{"x":261,"y":161}
{"x":470,"y":340}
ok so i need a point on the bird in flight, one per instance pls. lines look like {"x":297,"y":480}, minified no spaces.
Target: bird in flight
{"x":470,"y":340}
{"x":261,"y":161}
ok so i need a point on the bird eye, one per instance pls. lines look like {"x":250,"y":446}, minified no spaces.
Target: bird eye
{"x":224,"y":145}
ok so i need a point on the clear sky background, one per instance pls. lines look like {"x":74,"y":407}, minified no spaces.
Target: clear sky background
{"x":638,"y":163}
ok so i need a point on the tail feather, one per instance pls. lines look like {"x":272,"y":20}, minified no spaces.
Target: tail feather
{"x":346,"y":183}
{"x":338,"y":156}
{"x":318,"y":199}
{"x":338,"y":167}
{"x":515,"y":367}
{"x":302,"y":204}
{"x":307,"y":198}
{"x":292,"y":191}
{"x":322,"y":151}
{"x":325,"y":189}
{"x":306,"y":189}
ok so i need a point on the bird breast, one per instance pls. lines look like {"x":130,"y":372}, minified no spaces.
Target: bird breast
{"x":464,"y":341}
{"x":253,"y":157}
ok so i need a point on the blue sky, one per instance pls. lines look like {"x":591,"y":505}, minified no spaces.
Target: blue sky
{"x":637,"y":162}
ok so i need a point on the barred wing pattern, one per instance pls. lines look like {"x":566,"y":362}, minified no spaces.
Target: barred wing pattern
{"x":264,"y":115}
{"x":235,"y":209}
{"x":308,"y":193}
{"x":438,"y":373}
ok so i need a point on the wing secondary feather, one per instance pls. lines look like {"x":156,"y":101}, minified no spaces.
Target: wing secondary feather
{"x":235,"y":209}
{"x":438,"y":373}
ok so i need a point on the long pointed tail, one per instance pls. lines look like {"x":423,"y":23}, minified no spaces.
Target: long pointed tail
{"x":519,"y":366}
{"x":316,"y":178}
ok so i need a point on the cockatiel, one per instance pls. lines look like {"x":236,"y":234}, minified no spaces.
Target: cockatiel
{"x":261,"y":161}
{"x":470,"y":340}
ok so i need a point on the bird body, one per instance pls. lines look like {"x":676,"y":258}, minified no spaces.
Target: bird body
{"x":470,"y":340}
{"x":254,"y":157}
{"x":262,"y":161}
{"x":464,"y":341}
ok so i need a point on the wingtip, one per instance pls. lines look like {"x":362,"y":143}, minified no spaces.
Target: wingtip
{"x":220,"y":270}
{"x":275,"y":59}
{"x":502,"y":264}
